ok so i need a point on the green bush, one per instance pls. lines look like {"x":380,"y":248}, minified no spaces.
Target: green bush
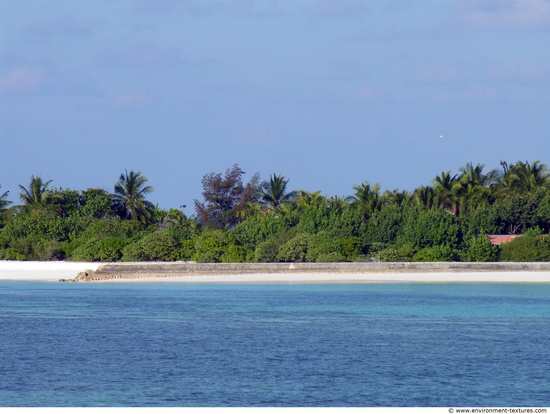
{"x":480,"y":249}
{"x":352,"y":247}
{"x":24,"y":248}
{"x":428,"y":228}
{"x":528,"y":248}
{"x":323,"y":244}
{"x":482,"y":220}
{"x":52,"y":250}
{"x":11,"y":254}
{"x":186,"y":250}
{"x":157,"y":246}
{"x":106,"y":250}
{"x":294,"y":250}
{"x":42,"y":224}
{"x":332,"y":257}
{"x":234,"y":254}
{"x":210,"y":246}
{"x":266,"y":252}
{"x":434,"y":254}
{"x":543,"y":214}
{"x":402,"y":253}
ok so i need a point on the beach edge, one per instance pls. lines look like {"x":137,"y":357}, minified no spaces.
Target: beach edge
{"x":356,"y":272}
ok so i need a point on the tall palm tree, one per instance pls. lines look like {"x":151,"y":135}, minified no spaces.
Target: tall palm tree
{"x":475,"y":186}
{"x":4,"y":212}
{"x":396,"y":197}
{"x":531,"y":176}
{"x":522,"y":177}
{"x":367,"y":198}
{"x":474,"y":175}
{"x":273,"y":193}
{"x":448,"y":189}
{"x":3,"y":201}
{"x":305,"y":199}
{"x":503,"y":181}
{"x":38,"y":193}
{"x":424,"y":197}
{"x":130,"y":197}
{"x":337,"y":204}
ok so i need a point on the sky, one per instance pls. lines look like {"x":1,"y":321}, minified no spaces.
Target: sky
{"x":328,"y":93}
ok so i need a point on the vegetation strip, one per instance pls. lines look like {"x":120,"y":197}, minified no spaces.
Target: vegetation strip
{"x":458,"y":218}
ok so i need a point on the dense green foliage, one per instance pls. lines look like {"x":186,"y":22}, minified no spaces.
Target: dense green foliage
{"x":448,"y":220}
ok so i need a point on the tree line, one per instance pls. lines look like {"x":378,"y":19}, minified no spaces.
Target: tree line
{"x":264,"y":221}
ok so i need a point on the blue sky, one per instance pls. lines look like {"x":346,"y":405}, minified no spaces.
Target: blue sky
{"x":329,"y":93}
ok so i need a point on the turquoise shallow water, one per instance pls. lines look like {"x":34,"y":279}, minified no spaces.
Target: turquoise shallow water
{"x":274,"y":345}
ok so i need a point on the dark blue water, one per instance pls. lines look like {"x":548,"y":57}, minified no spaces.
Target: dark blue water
{"x":274,"y":345}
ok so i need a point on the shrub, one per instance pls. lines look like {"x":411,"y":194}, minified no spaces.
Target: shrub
{"x":11,"y":254}
{"x":528,"y":248}
{"x":352,"y":247}
{"x":294,"y":250}
{"x":157,"y":246}
{"x":323,"y":244}
{"x":480,"y":249}
{"x":266,"y":252}
{"x":330,"y":257}
{"x":434,"y":254}
{"x":105,"y":250}
{"x":428,"y":228}
{"x":234,"y":254}
{"x":210,"y":246}
{"x":403,"y":253}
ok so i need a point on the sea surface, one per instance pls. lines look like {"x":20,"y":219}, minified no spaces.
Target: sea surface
{"x":274,"y":344}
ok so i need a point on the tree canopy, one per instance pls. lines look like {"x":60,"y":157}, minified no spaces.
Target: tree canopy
{"x":267,"y":221}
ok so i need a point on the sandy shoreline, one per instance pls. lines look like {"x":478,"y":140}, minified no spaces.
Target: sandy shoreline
{"x":54,"y":271}
{"x":42,"y":271}
{"x":512,"y":277}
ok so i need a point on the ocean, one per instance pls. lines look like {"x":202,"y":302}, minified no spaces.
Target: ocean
{"x":274,"y":345}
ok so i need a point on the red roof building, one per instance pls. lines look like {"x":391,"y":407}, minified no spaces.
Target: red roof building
{"x":499,"y":239}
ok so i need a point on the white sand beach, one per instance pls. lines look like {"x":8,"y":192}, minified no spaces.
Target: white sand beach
{"x":482,"y":277}
{"x":42,"y":271}
{"x":54,"y":271}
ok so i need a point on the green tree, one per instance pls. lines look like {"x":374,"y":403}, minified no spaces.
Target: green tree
{"x":447,"y":189}
{"x":130,"y":195}
{"x":480,"y":249}
{"x":428,"y":228}
{"x":531,"y":176}
{"x":531,"y":247}
{"x":521,"y":177}
{"x":395,"y":197}
{"x":474,"y":190}
{"x":518,"y":212}
{"x":294,"y":250}
{"x":96,"y":203}
{"x":38,"y":193}
{"x":485,"y":219}
{"x":3,"y":200}
{"x":274,"y":193}
{"x":383,"y":228}
{"x":309,"y":200}
{"x":225,"y":197}
{"x":424,"y":197}
{"x":160,"y":245}
{"x":367,"y":199}
{"x":104,"y":239}
{"x":434,"y":254}
{"x":211,"y":246}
